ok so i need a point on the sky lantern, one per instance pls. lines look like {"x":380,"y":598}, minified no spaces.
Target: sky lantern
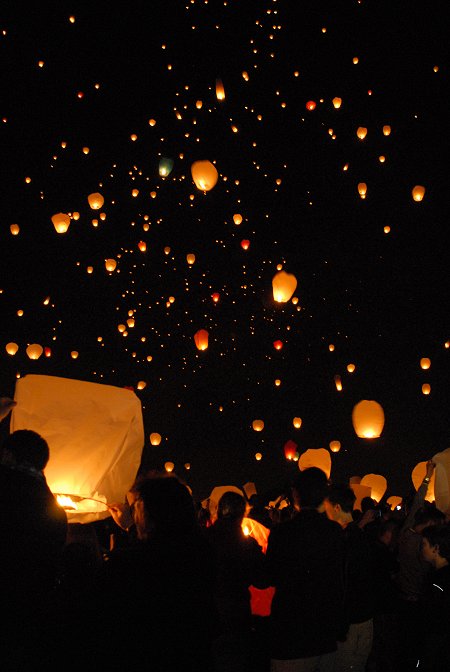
{"x":220,"y":91}
{"x":245,"y":244}
{"x":190,"y":258}
{"x":11,"y":348}
{"x":201,"y":339}
{"x":204,"y":174}
{"x":14,"y":228}
{"x":337,"y":102}
{"x":155,"y":438}
{"x":351,"y":368}
{"x":169,"y":466}
{"x":165,"y":167}
{"x":368,"y":419}
{"x":361,"y":132}
{"x":258,"y":425}
{"x":61,"y":222}
{"x":237,"y":219}
{"x":95,"y":201}
{"x":386,"y":130}
{"x":418,"y":474}
{"x":310,"y":105}
{"x":377,"y":483}
{"x":290,"y":449}
{"x":258,"y":456}
{"x":335,"y":446}
{"x":283,"y":286}
{"x":47,"y":352}
{"x":426,"y":388}
{"x":142,"y":245}
{"x":338,"y":383}
{"x":394,"y":501}
{"x":316,"y":457}
{"x":362,"y":189}
{"x":297,"y":422}
{"x":141,"y":385}
{"x":74,"y":354}
{"x":418,"y":192}
{"x":215,"y":297}
{"x":110,"y":265}
{"x":278,"y":345}
{"x":34,"y":351}
{"x":425,"y":363}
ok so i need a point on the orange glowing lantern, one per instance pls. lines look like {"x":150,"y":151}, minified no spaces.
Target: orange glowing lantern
{"x":338,"y":383}
{"x":351,"y":368}
{"x":377,"y":484}
{"x":11,"y":348}
{"x":258,"y":456}
{"x":316,"y":457}
{"x":394,"y":502}
{"x":290,"y":449}
{"x":361,"y":132}
{"x":237,"y":219}
{"x":47,"y":352}
{"x":61,"y":222}
{"x":386,"y":130}
{"x":245,"y":244}
{"x":283,"y":286}
{"x":337,"y":102}
{"x":110,"y":265}
{"x":310,"y":105}
{"x":362,"y":189}
{"x":142,"y":245}
{"x":34,"y":351}
{"x":190,"y":258}
{"x":418,"y":474}
{"x":360,"y":491}
{"x":14,"y":228}
{"x":335,"y":446}
{"x":425,"y":363}
{"x":368,"y":419}
{"x":95,"y":201}
{"x":426,"y":388}
{"x":204,"y":174}
{"x":215,"y":297}
{"x":169,"y":466}
{"x":220,"y":91}
{"x":297,"y":422}
{"x":418,"y":192}
{"x":278,"y":345}
{"x":258,"y":425}
{"x":74,"y":354}
{"x":201,"y":339}
{"x":155,"y":438}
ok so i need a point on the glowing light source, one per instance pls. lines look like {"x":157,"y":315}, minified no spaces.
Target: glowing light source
{"x":368,"y":419}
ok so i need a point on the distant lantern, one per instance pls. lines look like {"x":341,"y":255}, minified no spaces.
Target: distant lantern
{"x":61,"y":222}
{"x":377,"y":483}
{"x":74,"y":354}
{"x":425,"y":363}
{"x":368,"y":419}
{"x":110,"y":265}
{"x":142,"y":245}
{"x":338,"y":383}
{"x":14,"y":228}
{"x":141,"y":385}
{"x":335,"y":446}
{"x":331,"y":347}
{"x":165,"y":167}
{"x":351,"y":368}
{"x":278,"y":345}
{"x":199,"y":104}
{"x":297,"y":422}
{"x":204,"y":174}
{"x":277,"y":382}
{"x":258,"y":425}
{"x":394,"y":501}
{"x":386,"y":130}
{"x":201,"y":339}
{"x":418,"y":192}
{"x":310,"y":105}
{"x":220,"y":91}
{"x":237,"y":219}
{"x":245,"y":244}
{"x":190,"y":258}
{"x":169,"y":466}
{"x":155,"y":438}
{"x":258,"y":456}
{"x":337,"y":102}
{"x":187,"y":465}
{"x":215,"y":297}
{"x":167,"y":250}
{"x":283,"y":286}
{"x":96,"y":201}
{"x":290,"y":449}
{"x":48,"y":352}
{"x":11,"y":348}
{"x":362,"y":189}
{"x":361,"y":132}
{"x":34,"y":351}
{"x":426,"y":388}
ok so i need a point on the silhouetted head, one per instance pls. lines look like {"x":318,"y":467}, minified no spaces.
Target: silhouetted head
{"x":309,"y":487}
{"x":25,"y":448}
{"x":231,"y":505}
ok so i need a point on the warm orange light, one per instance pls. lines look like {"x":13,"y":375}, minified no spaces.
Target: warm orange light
{"x":61,"y":222}
{"x":204,"y":174}
{"x":283,"y":286}
{"x":11,"y":348}
{"x":215,"y":297}
{"x":425,"y":363}
{"x":351,"y":368}
{"x":155,"y":438}
{"x":335,"y":446}
{"x":201,"y":339}
{"x":337,"y":102}
{"x":338,"y":383}
{"x":278,"y":345}
{"x":418,"y":192}
{"x":34,"y":351}
{"x":362,"y":189}
{"x":110,"y":265}
{"x":245,"y":244}
{"x":297,"y":422}
{"x":237,"y":219}
{"x":142,"y":245}
{"x":258,"y":425}
{"x":190,"y":258}
{"x":386,"y":130}
{"x":361,"y":132}
{"x":220,"y":91}
{"x":310,"y":105}
{"x":368,"y":419}
{"x":96,"y":201}
{"x":426,"y":388}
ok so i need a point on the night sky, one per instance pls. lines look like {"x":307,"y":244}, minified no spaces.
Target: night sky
{"x":94,"y":96}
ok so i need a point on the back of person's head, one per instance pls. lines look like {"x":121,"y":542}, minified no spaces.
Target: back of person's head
{"x":232,"y":506}
{"x":343,"y":495}
{"x":310,"y":487}
{"x":25,"y":448}
{"x":428,"y":515}
{"x":367,"y":504}
{"x":168,"y":505}
{"x":439,"y":535}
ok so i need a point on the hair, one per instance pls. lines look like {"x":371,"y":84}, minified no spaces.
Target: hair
{"x":429,"y":515}
{"x":169,"y":506}
{"x":231,"y":506}
{"x":26,"y":448}
{"x":439,"y":535}
{"x":310,"y":487}
{"x":368,"y":503}
{"x":342,"y":495}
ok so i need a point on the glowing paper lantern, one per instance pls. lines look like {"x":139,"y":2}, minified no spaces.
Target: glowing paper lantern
{"x":142,"y":245}
{"x":190,"y":258}
{"x":278,"y":345}
{"x":245,"y":244}
{"x":360,"y":491}
{"x":14,"y":228}
{"x":386,"y":130}
{"x":258,"y":425}
{"x":316,"y":457}
{"x":310,"y":105}
{"x":426,"y":388}
{"x":34,"y":351}
{"x":155,"y":438}
{"x":11,"y":348}
{"x":425,"y":363}
{"x":258,"y":456}
{"x":338,"y":383}
{"x":220,"y":91}
{"x":394,"y":501}
{"x":297,"y":422}
{"x":95,"y":201}
{"x":362,"y":189}
{"x":377,"y":483}
{"x":201,"y":339}
{"x":442,"y":481}
{"x":418,"y":192}
{"x":335,"y":446}
{"x":290,"y":449}
{"x":361,"y":132}
{"x":283,"y":286}
{"x":237,"y":219}
{"x":337,"y":102}
{"x":141,"y":385}
{"x":61,"y":222}
{"x":368,"y":419}
{"x":165,"y":167}
{"x":215,"y":297}
{"x":74,"y":354}
{"x":204,"y":174}
{"x":350,"y":368}
{"x":418,"y":474}
{"x":169,"y":466}
{"x":110,"y":265}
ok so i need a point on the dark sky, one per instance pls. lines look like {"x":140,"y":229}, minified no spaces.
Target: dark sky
{"x":381,"y":298}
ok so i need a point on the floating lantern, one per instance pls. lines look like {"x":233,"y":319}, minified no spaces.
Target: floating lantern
{"x":48,"y":352}
{"x":338,"y":383}
{"x":34,"y":351}
{"x":394,"y":502}
{"x":220,"y":91}
{"x":61,"y":222}
{"x":258,"y":456}
{"x":74,"y":354}
{"x":14,"y":228}
{"x":142,"y":245}
{"x":201,"y":339}
{"x":361,"y":132}
{"x":425,"y":363}
{"x":290,"y":449}
{"x":169,"y":466}
{"x":377,"y":484}
{"x":95,"y":201}
{"x":11,"y":348}
{"x":335,"y":446}
{"x":155,"y":438}
{"x":362,"y":189}
{"x":386,"y":130}
{"x":215,"y":297}
{"x":297,"y":422}
{"x":283,"y":286}
{"x":237,"y":219}
{"x":110,"y":265}
{"x":368,"y":419}
{"x":165,"y":167}
{"x":190,"y":258}
{"x":418,"y":192}
{"x":426,"y":388}
{"x":141,"y":385}
{"x":204,"y":174}
{"x":258,"y":425}
{"x":337,"y":102}
{"x":315,"y":457}
{"x":310,"y":105}
{"x":245,"y":244}
{"x":351,"y":368}
{"x":278,"y":345}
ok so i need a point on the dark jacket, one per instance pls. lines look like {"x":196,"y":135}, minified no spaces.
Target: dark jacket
{"x":435,"y":611}
{"x":359,"y":601}
{"x":305,"y":557}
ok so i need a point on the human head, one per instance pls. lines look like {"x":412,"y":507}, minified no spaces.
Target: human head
{"x":25,"y":448}
{"x":309,"y":488}
{"x":428,"y":515}
{"x":368,"y":503}
{"x":232,"y":506}
{"x":339,"y":502}
{"x":436,"y":544}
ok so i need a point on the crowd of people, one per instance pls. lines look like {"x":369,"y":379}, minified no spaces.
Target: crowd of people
{"x":361,"y":590}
